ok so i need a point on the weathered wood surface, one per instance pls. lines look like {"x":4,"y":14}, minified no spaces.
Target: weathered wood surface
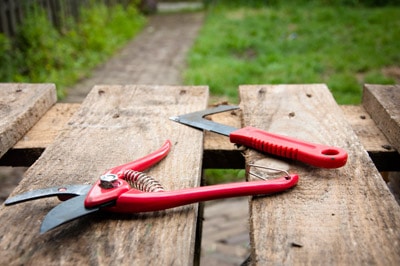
{"x":28,"y":149}
{"x":114,"y":125}
{"x":383,"y":104}
{"x":394,"y":184}
{"x":344,"y":216}
{"x":45,"y":131}
{"x":219,"y":152}
{"x":382,"y":153}
{"x":21,"y":106}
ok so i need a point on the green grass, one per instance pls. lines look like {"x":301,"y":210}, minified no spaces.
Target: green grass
{"x":247,"y":42}
{"x":41,"y":54}
{"x":218,"y":176}
{"x":342,"y":46}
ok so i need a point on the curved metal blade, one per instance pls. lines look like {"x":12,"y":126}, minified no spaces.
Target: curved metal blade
{"x":66,"y":211}
{"x":198,"y":121}
{"x":71,"y":190}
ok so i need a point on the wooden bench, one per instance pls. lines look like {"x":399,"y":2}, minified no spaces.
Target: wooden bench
{"x":114,"y":125}
{"x":345,"y":216}
{"x":339,"y":216}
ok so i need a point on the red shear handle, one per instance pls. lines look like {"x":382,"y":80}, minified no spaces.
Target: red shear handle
{"x":97,"y":195}
{"x":136,"y":201}
{"x":314,"y":154}
{"x":145,"y":162}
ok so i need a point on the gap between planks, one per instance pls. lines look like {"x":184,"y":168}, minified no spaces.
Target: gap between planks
{"x":218,"y":151}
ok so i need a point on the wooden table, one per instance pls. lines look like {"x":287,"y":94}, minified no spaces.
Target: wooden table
{"x":341,"y":216}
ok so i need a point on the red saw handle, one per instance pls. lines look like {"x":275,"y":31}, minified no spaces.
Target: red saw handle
{"x":314,"y":154}
{"x":134,"y":201}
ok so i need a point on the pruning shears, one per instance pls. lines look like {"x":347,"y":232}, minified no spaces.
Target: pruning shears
{"x":127,"y":189}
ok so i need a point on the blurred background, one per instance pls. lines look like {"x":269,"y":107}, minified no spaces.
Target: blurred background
{"x":343,"y":43}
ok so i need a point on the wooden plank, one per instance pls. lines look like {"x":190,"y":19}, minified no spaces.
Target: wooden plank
{"x":114,"y":125}
{"x":382,"y":102}
{"x":394,"y":184}
{"x":21,"y":106}
{"x":29,"y":148}
{"x":218,"y":151}
{"x":45,"y":131}
{"x":344,"y":216}
{"x":384,"y":156}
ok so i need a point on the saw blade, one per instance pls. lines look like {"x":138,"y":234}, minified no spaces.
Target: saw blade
{"x":197,"y":120}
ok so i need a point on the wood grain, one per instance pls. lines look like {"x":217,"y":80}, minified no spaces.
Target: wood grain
{"x":219,"y":152}
{"x":394,"y":184}
{"x":382,"y":102}
{"x":21,"y":106}
{"x":344,"y":216}
{"x":384,"y":156}
{"x":114,"y":125}
{"x":45,"y":131}
{"x":31,"y":146}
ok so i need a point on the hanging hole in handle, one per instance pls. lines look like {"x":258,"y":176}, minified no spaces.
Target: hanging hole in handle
{"x":330,"y":152}
{"x":287,"y":176}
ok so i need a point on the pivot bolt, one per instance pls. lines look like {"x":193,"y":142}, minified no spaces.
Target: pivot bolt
{"x":107,"y":181}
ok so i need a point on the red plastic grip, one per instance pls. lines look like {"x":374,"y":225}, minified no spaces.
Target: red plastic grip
{"x":314,"y":154}
{"x":98,"y":195}
{"x":144,"y":162}
{"x":135,"y":201}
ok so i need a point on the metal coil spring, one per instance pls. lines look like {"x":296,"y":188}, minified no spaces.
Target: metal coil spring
{"x":142,"y":182}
